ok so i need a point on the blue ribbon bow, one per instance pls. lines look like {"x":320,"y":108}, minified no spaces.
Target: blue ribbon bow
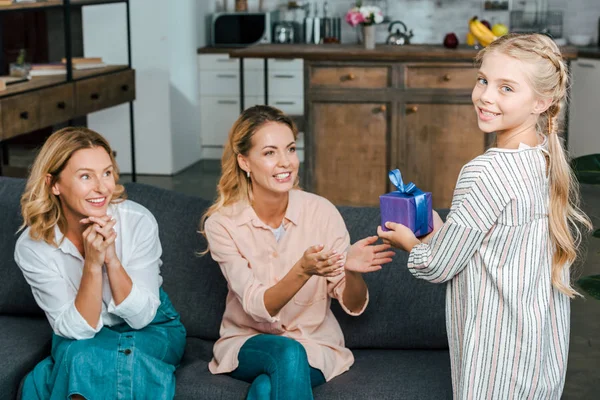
{"x":411,"y":189}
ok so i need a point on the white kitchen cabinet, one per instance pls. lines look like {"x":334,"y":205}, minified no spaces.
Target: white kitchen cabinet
{"x":219,"y":91}
{"x":218,"y":115}
{"x":584,"y":112}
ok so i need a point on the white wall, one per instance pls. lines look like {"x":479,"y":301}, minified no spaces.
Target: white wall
{"x":165,"y":38}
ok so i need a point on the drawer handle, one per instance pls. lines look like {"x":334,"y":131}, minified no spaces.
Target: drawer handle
{"x":286,"y":103}
{"x":226,"y":76}
{"x":225,"y":60}
{"x":284,"y":76}
{"x":94,"y":96}
{"x":61,"y":105}
{"x":447,"y":78}
{"x":412,"y":109}
{"x":586,"y":65}
{"x":349,"y":77}
{"x":125,"y":88}
{"x":226,"y":102}
{"x":381,"y":109}
{"x":24,"y":115}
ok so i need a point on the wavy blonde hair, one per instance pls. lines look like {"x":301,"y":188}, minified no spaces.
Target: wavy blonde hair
{"x":234,"y":185}
{"x":41,"y":209}
{"x":551,"y":81}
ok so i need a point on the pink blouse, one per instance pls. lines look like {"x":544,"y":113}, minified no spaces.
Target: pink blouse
{"x":252,"y":261}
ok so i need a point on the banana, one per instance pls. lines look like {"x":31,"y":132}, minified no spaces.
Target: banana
{"x":481,"y":32}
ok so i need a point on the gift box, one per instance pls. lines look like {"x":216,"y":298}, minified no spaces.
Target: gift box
{"x":408,"y":205}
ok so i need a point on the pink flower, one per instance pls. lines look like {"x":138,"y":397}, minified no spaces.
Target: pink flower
{"x":354,"y":17}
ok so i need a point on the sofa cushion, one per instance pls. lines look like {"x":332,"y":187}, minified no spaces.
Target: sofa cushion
{"x":194,"y":283}
{"x":25,"y":342}
{"x":15,"y":293}
{"x":376,"y":374}
{"x":392,"y":374}
{"x":194,"y":380}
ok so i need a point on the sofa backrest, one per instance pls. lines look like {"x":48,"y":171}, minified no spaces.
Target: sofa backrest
{"x":15,"y":293}
{"x":403,"y":311}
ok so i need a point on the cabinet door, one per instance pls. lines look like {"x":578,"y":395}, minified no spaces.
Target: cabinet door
{"x":584,"y":118}
{"x":217,"y":115}
{"x":349,"y":148}
{"x":439,"y":139}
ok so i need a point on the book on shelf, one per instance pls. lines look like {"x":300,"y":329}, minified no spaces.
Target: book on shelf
{"x":47,"y":66}
{"x":88,"y":66}
{"x":46,"y":72}
{"x":83,"y":60}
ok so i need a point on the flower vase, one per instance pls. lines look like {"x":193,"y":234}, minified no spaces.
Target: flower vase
{"x":369,"y":36}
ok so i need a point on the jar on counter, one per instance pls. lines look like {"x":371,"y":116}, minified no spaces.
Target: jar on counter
{"x":241,"y":5}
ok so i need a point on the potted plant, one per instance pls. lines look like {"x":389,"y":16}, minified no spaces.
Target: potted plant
{"x":367,"y":17}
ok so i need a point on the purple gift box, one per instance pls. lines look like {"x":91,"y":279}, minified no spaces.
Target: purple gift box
{"x":401,"y":207}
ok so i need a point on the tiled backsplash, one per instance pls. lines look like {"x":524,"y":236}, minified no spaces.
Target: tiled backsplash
{"x":430,"y":20}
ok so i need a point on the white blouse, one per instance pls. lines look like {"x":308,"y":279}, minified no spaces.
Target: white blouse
{"x":54,"y":274}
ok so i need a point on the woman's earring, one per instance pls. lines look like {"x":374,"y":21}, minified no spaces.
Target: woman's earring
{"x":248,"y":174}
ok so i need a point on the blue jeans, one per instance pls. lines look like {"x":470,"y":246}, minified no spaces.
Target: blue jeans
{"x":277,"y":368}
{"x":119,"y":362}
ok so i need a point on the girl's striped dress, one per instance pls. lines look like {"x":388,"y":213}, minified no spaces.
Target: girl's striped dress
{"x":508,"y":327}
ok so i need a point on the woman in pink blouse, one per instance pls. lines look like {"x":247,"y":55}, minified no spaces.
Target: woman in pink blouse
{"x":285,"y":253}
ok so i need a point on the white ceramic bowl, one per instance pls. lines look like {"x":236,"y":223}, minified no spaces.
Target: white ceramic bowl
{"x":580,"y":40}
{"x":560,"y":41}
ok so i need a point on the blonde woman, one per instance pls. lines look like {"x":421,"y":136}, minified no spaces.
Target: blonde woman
{"x":285,"y":253}
{"x":512,"y":233}
{"x":92,"y":260}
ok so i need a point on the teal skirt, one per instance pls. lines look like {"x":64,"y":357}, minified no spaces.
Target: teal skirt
{"x":118,"y":363}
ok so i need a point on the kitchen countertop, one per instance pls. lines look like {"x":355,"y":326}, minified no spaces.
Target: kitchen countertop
{"x":589,"y":52}
{"x":355,"y":52}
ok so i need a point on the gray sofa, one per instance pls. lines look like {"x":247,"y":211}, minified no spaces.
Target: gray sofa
{"x":399,"y":343}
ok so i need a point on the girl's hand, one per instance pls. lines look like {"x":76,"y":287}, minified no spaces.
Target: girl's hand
{"x":315,"y":261}
{"x":398,"y":236}
{"x":364,"y":257}
{"x":104,"y":226}
{"x":437,"y":224}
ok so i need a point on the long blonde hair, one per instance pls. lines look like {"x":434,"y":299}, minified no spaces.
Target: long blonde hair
{"x":551,"y":80}
{"x":41,"y":209}
{"x":234,"y":185}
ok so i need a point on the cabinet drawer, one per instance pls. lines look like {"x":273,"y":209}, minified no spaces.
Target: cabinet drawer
{"x":217,"y":115}
{"x":286,"y":83}
{"x":104,"y":91}
{"x":440,"y":77}
{"x":20,"y":114}
{"x":219,"y":83}
{"x":121,"y":88}
{"x":220,"y":62}
{"x":57,"y":105}
{"x":289,"y":105}
{"x":350,"y":77}
{"x":285,"y":64}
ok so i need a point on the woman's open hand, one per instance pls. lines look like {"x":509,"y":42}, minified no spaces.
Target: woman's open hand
{"x":364,"y":256}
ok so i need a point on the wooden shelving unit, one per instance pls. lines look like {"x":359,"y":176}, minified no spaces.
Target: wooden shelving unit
{"x":46,"y":100}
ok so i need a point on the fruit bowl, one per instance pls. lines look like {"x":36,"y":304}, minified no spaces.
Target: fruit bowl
{"x":580,"y":40}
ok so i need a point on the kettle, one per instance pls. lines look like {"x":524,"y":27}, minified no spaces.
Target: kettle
{"x":399,"y":38}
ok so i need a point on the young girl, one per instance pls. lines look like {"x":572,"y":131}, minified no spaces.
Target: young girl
{"x":92,"y":260}
{"x":511,"y":235}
